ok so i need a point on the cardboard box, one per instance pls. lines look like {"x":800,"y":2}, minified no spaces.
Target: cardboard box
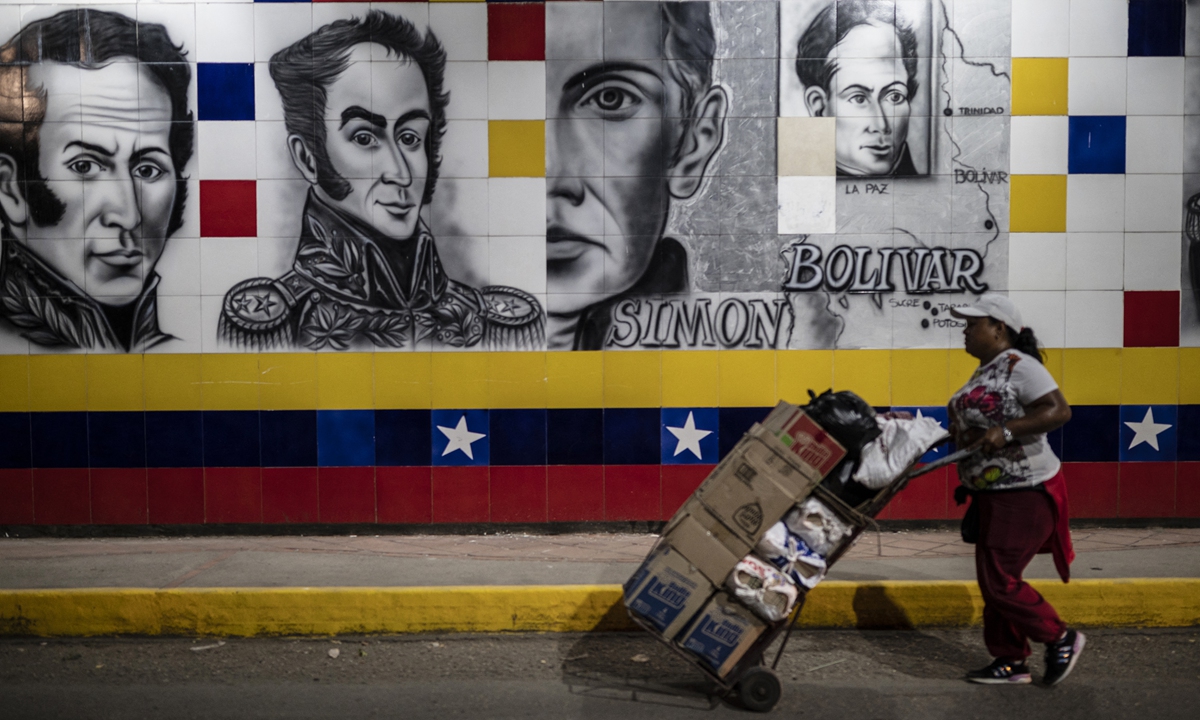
{"x":722,"y":633}
{"x":667,"y":591}
{"x":714,"y":554}
{"x":807,"y":440}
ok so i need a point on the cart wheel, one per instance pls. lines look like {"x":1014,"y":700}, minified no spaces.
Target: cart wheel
{"x":759,"y":689}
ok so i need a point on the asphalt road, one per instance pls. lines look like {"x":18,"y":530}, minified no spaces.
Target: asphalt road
{"x":826,"y":674}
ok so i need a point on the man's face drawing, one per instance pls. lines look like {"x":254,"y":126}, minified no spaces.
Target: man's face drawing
{"x":104,"y":153}
{"x":377,"y":120}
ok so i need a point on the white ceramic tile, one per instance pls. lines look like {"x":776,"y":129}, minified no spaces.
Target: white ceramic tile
{"x":516,"y":90}
{"x":1152,"y":261}
{"x":465,"y":149}
{"x":210,"y":317}
{"x":191,"y":205}
{"x":1154,"y":144}
{"x":278,"y":25}
{"x":179,"y":20}
{"x":226,"y":150}
{"x":276,"y":255}
{"x":1155,"y":86}
{"x":462,"y":28}
{"x":326,"y":12}
{"x":10,"y":24}
{"x":807,"y":205}
{"x":1094,"y":85}
{"x":224,"y":262}
{"x":280,"y":204}
{"x":1040,"y":28}
{"x":460,"y":207}
{"x":181,"y":316}
{"x":271,"y":148}
{"x":416,"y":13}
{"x":574,"y":31}
{"x":466,"y":259}
{"x":1095,"y":318}
{"x":1153,"y":203}
{"x":519,"y":262}
{"x":1096,"y":202}
{"x":267,"y":103}
{"x":1099,"y":28}
{"x":1037,"y":261}
{"x":516,"y":206}
{"x":1095,"y":261}
{"x":1039,"y":145}
{"x":1045,"y":312}
{"x":224,"y":33}
{"x":179,"y":267}
{"x":467,"y":83}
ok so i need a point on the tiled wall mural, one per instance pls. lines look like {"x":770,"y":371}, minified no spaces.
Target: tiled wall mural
{"x":343,"y":262}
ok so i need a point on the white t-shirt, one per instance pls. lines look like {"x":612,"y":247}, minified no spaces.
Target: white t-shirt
{"x":997,"y":393}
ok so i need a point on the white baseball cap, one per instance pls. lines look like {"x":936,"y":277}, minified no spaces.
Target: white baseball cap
{"x":994,"y":306}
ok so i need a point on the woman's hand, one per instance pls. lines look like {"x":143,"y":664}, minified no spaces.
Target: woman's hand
{"x":992,"y":440}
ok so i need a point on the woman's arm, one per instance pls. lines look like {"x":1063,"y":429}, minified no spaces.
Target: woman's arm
{"x":1047,"y":413}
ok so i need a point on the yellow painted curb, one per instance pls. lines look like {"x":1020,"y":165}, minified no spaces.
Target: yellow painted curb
{"x":566,"y":608}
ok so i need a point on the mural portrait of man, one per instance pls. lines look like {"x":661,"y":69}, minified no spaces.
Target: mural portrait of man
{"x":631,"y":128}
{"x":364,"y":109}
{"x":92,"y":151}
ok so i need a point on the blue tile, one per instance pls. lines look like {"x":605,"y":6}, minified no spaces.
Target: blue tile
{"x":59,"y":439}
{"x":117,"y":439}
{"x":1093,"y":434}
{"x":1096,"y":145}
{"x":175,"y":439}
{"x":1187,"y":442}
{"x":1148,"y":433}
{"x":1156,"y":28}
{"x":345,"y":438}
{"x":225,"y":91}
{"x":231,"y":438}
{"x":1055,"y":439}
{"x":733,"y":424}
{"x":15,"y":443}
{"x":518,"y":437}
{"x":575,"y":437}
{"x":459,"y":437}
{"x":402,"y":437}
{"x":679,"y":443}
{"x":631,"y":436}
{"x":939,"y":413}
{"x":289,"y":438}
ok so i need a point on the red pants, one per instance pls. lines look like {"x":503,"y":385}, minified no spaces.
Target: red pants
{"x":1013,"y":526}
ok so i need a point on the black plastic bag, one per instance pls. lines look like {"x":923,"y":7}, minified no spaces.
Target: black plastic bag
{"x":851,"y":421}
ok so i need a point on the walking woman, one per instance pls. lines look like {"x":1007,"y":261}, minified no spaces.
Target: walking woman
{"x":1006,"y":409}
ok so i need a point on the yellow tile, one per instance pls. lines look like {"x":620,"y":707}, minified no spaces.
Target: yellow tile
{"x":517,"y":148}
{"x":517,"y":380}
{"x":1054,"y":363}
{"x":115,"y":382}
{"x":1189,"y":376}
{"x":806,"y":146}
{"x":866,"y":372}
{"x":1150,"y":376}
{"x":1038,"y":203}
{"x":288,"y":381}
{"x":632,"y":379}
{"x":1092,"y":376}
{"x":689,"y":378}
{"x":14,"y":383}
{"x":1039,"y":86}
{"x":921,"y":377}
{"x":229,"y":381}
{"x":574,"y":379}
{"x":345,"y":381}
{"x":960,"y":368}
{"x":747,"y":378}
{"x":403,"y":380}
{"x":57,"y":383}
{"x":460,"y":380}
{"x":798,"y":371}
{"x":173,"y":382}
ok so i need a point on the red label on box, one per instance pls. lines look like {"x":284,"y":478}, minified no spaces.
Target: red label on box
{"x":815,"y":446}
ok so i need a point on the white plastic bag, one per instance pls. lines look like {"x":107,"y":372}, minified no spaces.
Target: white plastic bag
{"x":819,"y":527}
{"x":902,"y":441}
{"x":763,"y":589}
{"x":794,"y":558}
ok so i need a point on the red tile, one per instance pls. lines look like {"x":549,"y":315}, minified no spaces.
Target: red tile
{"x":1092,"y":489}
{"x":61,"y":496}
{"x":228,"y":208}
{"x":632,"y":492}
{"x":119,"y":496}
{"x":1152,"y":318}
{"x":232,"y":495}
{"x":516,"y":31}
{"x":574,"y":493}
{"x":403,"y":494}
{"x":1147,"y":489}
{"x":459,"y":494}
{"x":678,"y":484}
{"x":289,"y":495}
{"x":518,"y":493}
{"x":176,"y":495}
{"x":1187,"y":490}
{"x":347,"y":494}
{"x":16,"y":496}
{"x":924,"y":498}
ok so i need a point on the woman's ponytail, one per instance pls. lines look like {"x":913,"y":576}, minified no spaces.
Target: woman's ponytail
{"x":1026,"y":342}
